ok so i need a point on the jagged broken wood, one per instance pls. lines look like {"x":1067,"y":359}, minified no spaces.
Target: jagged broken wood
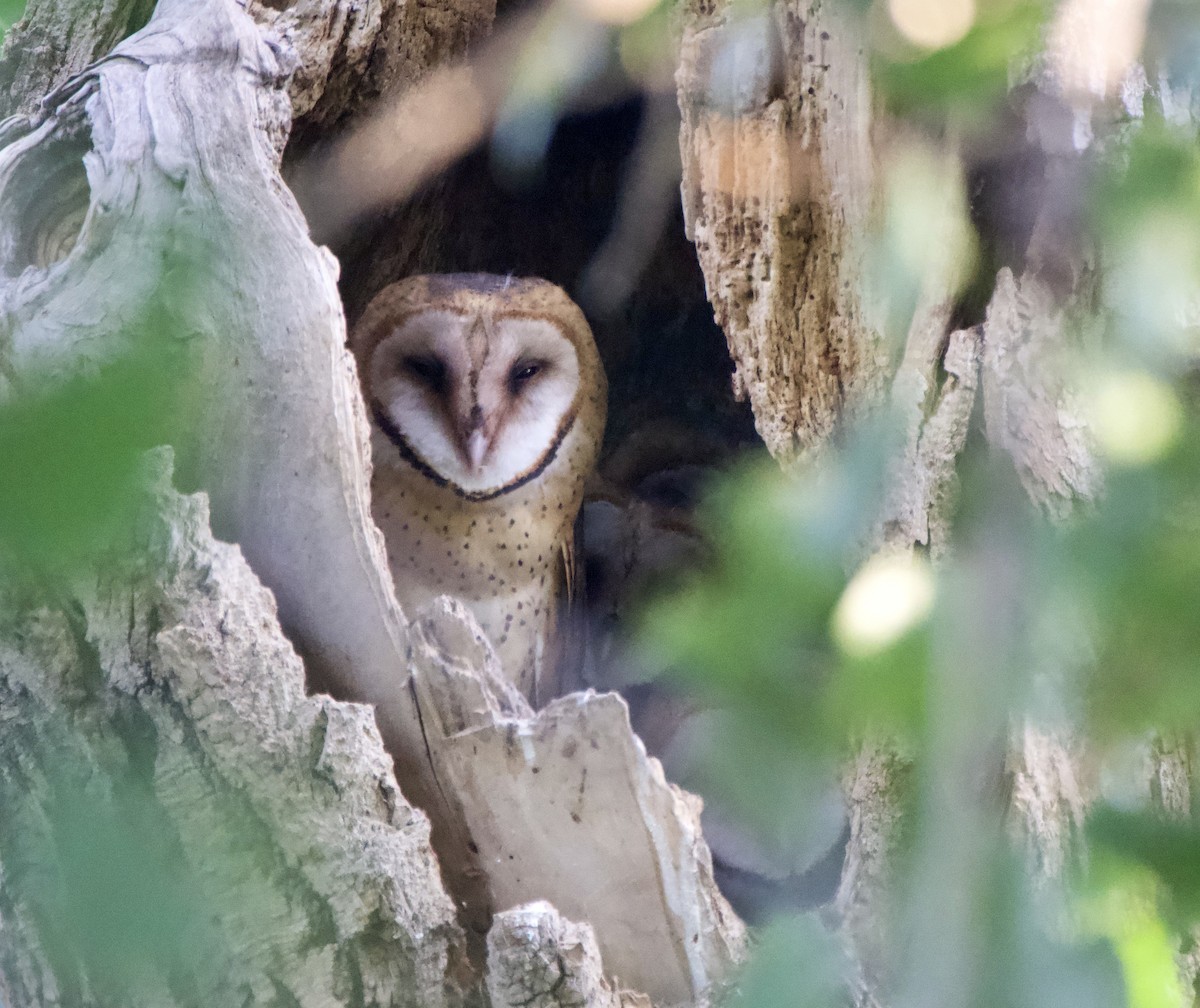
{"x":154,"y":703}
{"x":778,"y":176}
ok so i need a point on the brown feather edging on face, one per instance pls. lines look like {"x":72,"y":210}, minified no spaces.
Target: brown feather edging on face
{"x":413,"y":459}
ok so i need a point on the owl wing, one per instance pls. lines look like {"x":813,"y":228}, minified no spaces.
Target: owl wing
{"x":570,"y":619}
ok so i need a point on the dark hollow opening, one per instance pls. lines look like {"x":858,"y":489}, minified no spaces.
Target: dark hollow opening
{"x":672,"y":419}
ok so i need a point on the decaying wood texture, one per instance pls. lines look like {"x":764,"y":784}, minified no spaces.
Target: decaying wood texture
{"x":354,"y":55}
{"x":780,"y":159}
{"x":566,"y":802}
{"x":777,"y":193}
{"x":538,"y":959}
{"x":155,"y":177}
{"x":158,"y":695}
{"x":57,"y":39}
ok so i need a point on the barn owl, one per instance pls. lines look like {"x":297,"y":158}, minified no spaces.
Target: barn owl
{"x":487,"y":399}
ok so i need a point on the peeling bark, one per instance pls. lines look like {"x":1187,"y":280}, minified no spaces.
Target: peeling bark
{"x":777,"y":189}
{"x":537,"y":959}
{"x":564,"y":805}
{"x":353,"y":55}
{"x":57,"y":39}
{"x":1028,"y":408}
{"x":158,"y":695}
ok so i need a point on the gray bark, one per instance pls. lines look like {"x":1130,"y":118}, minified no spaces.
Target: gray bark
{"x":157,"y":735}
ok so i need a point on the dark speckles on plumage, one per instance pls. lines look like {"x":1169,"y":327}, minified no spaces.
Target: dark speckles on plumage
{"x":479,"y":567}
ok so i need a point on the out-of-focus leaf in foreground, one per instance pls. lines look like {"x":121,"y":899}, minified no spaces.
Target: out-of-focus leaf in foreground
{"x":1165,"y":847}
{"x":10,"y":13}
{"x":964,"y":81}
{"x":100,"y":870}
{"x":787,"y":950}
{"x":70,"y":448}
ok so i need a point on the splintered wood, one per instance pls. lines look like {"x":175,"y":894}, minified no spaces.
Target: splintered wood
{"x":777,"y":175}
{"x":565,"y":806}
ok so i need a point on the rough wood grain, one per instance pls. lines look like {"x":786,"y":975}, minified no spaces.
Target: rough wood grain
{"x":157,"y":694}
{"x":181,"y":184}
{"x":57,"y":39}
{"x":565,"y":806}
{"x":777,"y":176}
{"x":538,"y":959}
{"x":1029,"y":409}
{"x":351,"y":55}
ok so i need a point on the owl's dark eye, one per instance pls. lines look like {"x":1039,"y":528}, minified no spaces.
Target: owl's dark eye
{"x":521,"y":373}
{"x":429,"y":369}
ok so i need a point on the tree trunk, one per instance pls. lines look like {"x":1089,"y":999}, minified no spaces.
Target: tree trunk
{"x":168,"y":678}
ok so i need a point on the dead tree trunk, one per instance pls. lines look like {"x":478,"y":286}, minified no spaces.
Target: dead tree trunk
{"x":783,"y":152}
{"x":154,"y":174}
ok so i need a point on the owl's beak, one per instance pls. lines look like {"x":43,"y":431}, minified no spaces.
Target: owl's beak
{"x":477,"y":447}
{"x":472,"y":437}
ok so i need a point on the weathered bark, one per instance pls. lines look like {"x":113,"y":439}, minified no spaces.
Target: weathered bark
{"x":354,"y":55}
{"x":178,"y":204}
{"x":57,"y":39}
{"x":779,"y":160}
{"x":564,"y":959}
{"x":155,"y":703}
{"x":777,"y":192}
{"x":565,"y":803}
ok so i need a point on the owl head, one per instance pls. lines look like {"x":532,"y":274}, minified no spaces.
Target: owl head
{"x":479,"y":380}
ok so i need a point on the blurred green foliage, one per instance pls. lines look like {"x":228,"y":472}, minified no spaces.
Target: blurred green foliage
{"x":962,"y":84}
{"x":119,"y":913}
{"x":10,"y":13}
{"x":1087,"y":626}
{"x":71,"y":446}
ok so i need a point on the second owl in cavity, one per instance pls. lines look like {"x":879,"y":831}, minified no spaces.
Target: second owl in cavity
{"x":487,"y":400}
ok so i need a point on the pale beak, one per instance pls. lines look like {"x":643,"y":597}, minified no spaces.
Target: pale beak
{"x":477,"y":447}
